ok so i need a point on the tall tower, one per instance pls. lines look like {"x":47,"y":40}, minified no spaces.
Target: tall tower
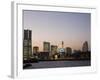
{"x":27,"y":44}
{"x":62,"y":50}
{"x":62,"y":44}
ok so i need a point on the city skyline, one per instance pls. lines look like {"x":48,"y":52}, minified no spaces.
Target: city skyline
{"x":55,"y":27}
{"x":64,"y":47}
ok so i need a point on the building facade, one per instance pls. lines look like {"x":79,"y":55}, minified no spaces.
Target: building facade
{"x":54,"y":49}
{"x":85,"y":47}
{"x":35,"y":49}
{"x":27,"y":44}
{"x":68,"y":51}
{"x":46,"y":47}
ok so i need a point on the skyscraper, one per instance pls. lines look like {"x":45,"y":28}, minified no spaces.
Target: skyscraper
{"x":27,"y":44}
{"x":46,"y":46}
{"x":54,"y":49}
{"x":85,"y":47}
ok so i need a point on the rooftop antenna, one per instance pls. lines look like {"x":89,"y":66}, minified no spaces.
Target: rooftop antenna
{"x":62,"y":44}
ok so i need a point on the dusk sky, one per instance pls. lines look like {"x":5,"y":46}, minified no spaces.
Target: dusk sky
{"x":54,"y":27}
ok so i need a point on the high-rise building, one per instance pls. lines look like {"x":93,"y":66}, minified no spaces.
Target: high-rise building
{"x":54,"y":49}
{"x":85,"y":47}
{"x":68,"y":51}
{"x":27,"y":44}
{"x":35,"y":49}
{"x":46,"y":47}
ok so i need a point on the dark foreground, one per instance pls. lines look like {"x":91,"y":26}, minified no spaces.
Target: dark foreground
{"x":55,"y":64}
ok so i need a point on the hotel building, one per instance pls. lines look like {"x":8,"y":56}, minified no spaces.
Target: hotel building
{"x":27,"y":44}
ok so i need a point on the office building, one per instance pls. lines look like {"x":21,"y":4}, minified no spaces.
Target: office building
{"x":46,"y":47}
{"x":54,"y":49}
{"x":35,"y":49}
{"x":27,"y":44}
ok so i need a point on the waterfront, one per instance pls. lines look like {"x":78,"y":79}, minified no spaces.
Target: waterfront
{"x":56,"y":64}
{"x":54,"y":39}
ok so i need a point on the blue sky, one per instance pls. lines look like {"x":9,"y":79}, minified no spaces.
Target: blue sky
{"x":72,"y":28}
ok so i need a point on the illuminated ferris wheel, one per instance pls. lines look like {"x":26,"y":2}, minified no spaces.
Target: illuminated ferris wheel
{"x":61,"y":50}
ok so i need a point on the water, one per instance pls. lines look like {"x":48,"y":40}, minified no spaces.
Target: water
{"x":55,"y":64}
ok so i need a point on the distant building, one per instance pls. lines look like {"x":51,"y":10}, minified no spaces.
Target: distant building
{"x":86,"y":54}
{"x":68,"y":51}
{"x":27,"y":44}
{"x":54,"y":49}
{"x":46,"y":47}
{"x":85,"y":47}
{"x":35,"y":49}
{"x":43,"y":55}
